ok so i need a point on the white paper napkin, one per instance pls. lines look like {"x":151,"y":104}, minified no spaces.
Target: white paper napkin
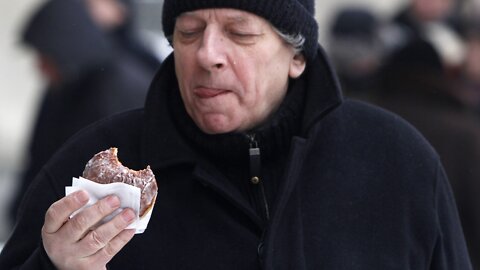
{"x":129,"y":198}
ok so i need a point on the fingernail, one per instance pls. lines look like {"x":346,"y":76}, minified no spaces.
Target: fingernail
{"x":81,"y":196}
{"x":113,"y":201}
{"x":128,"y":215}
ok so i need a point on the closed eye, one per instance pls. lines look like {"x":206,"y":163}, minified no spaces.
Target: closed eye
{"x":188,"y":35}
{"x":243,"y":37}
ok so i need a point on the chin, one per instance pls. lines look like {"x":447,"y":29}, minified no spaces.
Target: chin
{"x":216,"y":126}
{"x":216,"y":129}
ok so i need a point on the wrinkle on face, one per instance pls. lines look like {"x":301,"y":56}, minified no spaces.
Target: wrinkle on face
{"x":232,"y":68}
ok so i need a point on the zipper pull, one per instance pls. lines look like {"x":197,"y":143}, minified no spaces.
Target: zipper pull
{"x":255,"y":162}
{"x":255,"y":170}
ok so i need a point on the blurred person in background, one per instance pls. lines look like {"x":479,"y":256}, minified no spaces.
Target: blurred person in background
{"x":417,"y":14}
{"x":432,"y":21}
{"x":469,"y":75}
{"x":117,"y":19}
{"x":415,"y":85}
{"x":356,"y":48}
{"x":89,"y":77}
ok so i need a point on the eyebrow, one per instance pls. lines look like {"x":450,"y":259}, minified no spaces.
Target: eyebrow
{"x":238,"y":19}
{"x":230,"y":18}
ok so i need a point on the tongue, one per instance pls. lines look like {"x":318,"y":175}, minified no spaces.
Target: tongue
{"x":208,"y":93}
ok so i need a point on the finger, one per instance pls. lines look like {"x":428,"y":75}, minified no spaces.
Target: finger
{"x":114,"y":246}
{"x":80,"y":224}
{"x":59,"y":212}
{"x":101,"y":236}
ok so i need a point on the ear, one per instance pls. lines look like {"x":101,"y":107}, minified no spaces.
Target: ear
{"x":297,"y":66}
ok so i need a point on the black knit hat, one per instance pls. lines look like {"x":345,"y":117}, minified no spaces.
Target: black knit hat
{"x":288,"y":16}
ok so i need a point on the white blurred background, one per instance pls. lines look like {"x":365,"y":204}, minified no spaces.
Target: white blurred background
{"x":20,"y":85}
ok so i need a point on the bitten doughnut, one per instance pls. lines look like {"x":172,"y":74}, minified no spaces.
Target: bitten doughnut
{"x":104,"y":168}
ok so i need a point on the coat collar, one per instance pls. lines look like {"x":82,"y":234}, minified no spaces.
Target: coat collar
{"x":161,"y":142}
{"x":323,"y":91}
{"x":162,"y":145}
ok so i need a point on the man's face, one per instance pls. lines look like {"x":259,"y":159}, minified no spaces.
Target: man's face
{"x":232,"y":68}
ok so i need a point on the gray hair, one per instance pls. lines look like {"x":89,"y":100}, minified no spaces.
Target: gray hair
{"x":295,"y":40}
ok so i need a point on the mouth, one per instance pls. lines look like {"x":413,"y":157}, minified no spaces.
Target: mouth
{"x":205,"y":92}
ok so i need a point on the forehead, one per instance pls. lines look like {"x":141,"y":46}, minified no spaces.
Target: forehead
{"x":224,"y":15}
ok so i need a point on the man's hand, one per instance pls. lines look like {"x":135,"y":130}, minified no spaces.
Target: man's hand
{"x":73,"y":243}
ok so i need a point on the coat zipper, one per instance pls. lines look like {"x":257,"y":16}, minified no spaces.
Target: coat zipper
{"x":255,"y":171}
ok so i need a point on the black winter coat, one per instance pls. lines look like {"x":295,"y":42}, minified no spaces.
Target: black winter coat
{"x":362,"y":190}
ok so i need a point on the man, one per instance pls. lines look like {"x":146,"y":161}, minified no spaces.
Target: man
{"x":431,"y":21}
{"x":356,"y":49}
{"x":117,"y":18}
{"x":329,"y":184}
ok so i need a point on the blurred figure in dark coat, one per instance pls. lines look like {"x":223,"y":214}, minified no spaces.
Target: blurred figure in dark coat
{"x":415,"y":85}
{"x":469,"y":74}
{"x":88,"y":77}
{"x":432,"y":21}
{"x":117,"y":19}
{"x":357,"y":50}
{"x":418,"y":13}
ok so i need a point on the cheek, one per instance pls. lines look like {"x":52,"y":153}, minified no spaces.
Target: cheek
{"x":181,"y":66}
{"x":275,"y":75}
{"x":184,"y":70}
{"x":264,"y":83}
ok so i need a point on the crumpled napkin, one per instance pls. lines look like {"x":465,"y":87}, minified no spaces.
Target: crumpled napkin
{"x":129,"y":198}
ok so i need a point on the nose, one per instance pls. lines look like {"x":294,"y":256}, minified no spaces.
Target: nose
{"x":212,"y":53}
